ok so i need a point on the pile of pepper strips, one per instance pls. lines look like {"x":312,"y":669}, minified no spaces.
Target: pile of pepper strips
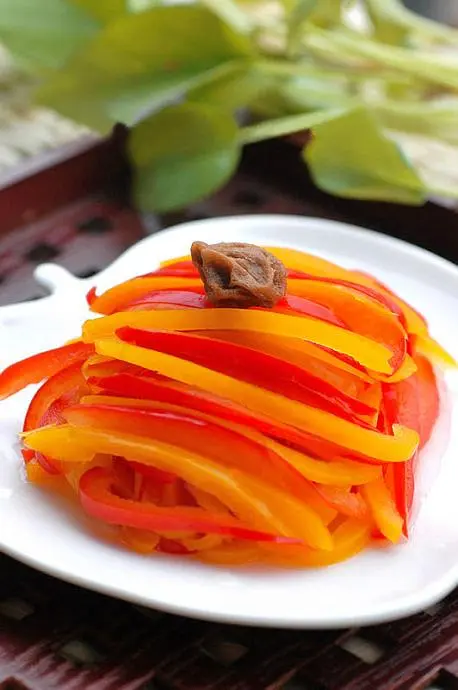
{"x":288,"y":435}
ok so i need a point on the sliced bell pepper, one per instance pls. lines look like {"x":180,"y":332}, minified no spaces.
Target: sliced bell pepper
{"x":38,"y":367}
{"x":99,"y":501}
{"x":432,"y":350}
{"x":360,"y":313}
{"x":91,"y":296}
{"x":351,"y":537}
{"x":197,"y":434}
{"x":415,"y":403}
{"x":300,"y":305}
{"x":196,"y":400}
{"x":396,"y":448}
{"x":237,"y":446}
{"x":233,"y":488}
{"x":118,"y":297}
{"x":307,"y":355}
{"x":185,"y":299}
{"x":383,"y":510}
{"x":368,"y":352}
{"x":253,"y":366}
{"x":62,"y":383}
{"x":345,"y":501}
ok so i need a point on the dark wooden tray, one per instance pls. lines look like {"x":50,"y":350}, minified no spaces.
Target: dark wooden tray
{"x":54,"y":636}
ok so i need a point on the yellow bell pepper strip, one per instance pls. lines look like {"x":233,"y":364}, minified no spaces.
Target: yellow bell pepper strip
{"x":201,"y":434}
{"x":99,"y":501}
{"x":230,"y":486}
{"x":334,"y":473}
{"x":301,"y":353}
{"x":430,"y":348}
{"x":252,"y":366}
{"x":383,"y":510}
{"x":38,"y":367}
{"x":360,"y":314}
{"x":142,"y":541}
{"x":364,"y":350}
{"x":298,"y":517}
{"x":120,"y":296}
{"x":351,"y":537}
{"x":397,"y":448}
{"x":407,"y":368}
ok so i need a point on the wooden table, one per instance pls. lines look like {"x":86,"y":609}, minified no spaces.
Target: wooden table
{"x":54,"y":636}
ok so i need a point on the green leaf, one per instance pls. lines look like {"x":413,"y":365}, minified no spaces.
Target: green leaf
{"x":237,"y":88}
{"x":351,"y":157}
{"x":182,"y":154}
{"x":103,"y":10}
{"x":142,"y":62}
{"x":42,"y":35}
{"x":283,"y":126}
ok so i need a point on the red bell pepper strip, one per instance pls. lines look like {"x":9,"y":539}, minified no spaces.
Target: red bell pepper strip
{"x":174,"y":298}
{"x":414,"y":403}
{"x":91,"y":296}
{"x":64,"y":382}
{"x":301,"y":305}
{"x":196,"y":434}
{"x":52,"y":415}
{"x":99,"y":501}
{"x":252,"y":366}
{"x":41,"y":366}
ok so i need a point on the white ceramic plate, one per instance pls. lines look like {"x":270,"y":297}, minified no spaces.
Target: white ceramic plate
{"x":374,"y":587}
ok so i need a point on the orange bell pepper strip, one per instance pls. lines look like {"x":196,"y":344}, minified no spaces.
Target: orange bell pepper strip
{"x":99,"y":501}
{"x":383,"y":510}
{"x":201,"y":434}
{"x":361,"y":314}
{"x":364,"y":350}
{"x":368,"y":442}
{"x":38,"y":367}
{"x":120,"y":296}
{"x":253,"y":366}
{"x":232,"y":487}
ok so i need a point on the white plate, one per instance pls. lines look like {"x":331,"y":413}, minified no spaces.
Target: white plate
{"x":374,"y":587}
